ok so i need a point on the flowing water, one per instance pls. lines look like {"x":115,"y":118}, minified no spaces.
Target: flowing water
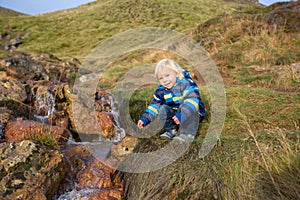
{"x":1,"y":130}
{"x":45,"y":106}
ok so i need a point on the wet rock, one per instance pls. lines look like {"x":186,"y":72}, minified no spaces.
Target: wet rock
{"x":43,"y":100}
{"x":88,"y":121}
{"x":109,"y":194}
{"x":21,"y":129}
{"x":43,"y":87}
{"x":29,"y":170}
{"x":48,"y":102}
{"x":76,"y":156}
{"x":95,"y":176}
{"x":103,"y":101}
{"x":79,"y":151}
{"x":106,"y":124}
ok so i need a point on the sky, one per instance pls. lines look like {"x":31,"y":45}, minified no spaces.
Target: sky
{"x":33,"y":7}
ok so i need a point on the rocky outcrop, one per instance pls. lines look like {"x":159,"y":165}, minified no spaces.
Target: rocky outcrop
{"x":28,"y":170}
{"x":93,"y":123}
{"x":5,"y":116}
{"x":286,"y":15}
{"x":40,"y":67}
{"x":36,"y":102}
{"x":24,"y":68}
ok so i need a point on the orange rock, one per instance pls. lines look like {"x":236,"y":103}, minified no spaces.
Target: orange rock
{"x":34,"y":83}
{"x":22,"y":129}
{"x":109,"y":194}
{"x":106,"y":124}
{"x":95,"y":176}
{"x":4,"y":76}
{"x":79,"y":151}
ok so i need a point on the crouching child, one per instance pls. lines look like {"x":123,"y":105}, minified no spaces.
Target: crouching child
{"x":176,"y":102}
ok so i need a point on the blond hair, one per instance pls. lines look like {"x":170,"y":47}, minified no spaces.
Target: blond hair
{"x":169,"y":63}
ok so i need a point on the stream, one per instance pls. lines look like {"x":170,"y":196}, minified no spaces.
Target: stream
{"x":36,"y":101}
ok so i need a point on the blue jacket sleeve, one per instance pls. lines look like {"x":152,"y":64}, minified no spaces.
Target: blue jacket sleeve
{"x":153,"y":108}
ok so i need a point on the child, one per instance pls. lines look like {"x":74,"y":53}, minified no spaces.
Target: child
{"x":176,"y":101}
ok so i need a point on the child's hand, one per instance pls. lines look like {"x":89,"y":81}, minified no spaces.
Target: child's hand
{"x":176,"y":120}
{"x":140,"y":124}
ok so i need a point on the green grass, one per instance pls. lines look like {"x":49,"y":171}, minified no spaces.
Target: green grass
{"x":48,"y":140}
{"x":256,"y":158}
{"x":248,"y":163}
{"x":263,"y":108}
{"x":250,"y":43}
{"x":75,"y":32}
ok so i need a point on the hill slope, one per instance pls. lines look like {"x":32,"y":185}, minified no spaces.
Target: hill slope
{"x":256,"y":48}
{"x":5,"y":12}
{"x":74,"y":32}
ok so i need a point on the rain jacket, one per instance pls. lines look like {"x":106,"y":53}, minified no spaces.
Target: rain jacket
{"x":184,"y":97}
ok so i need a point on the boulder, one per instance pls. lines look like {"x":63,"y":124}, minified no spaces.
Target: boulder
{"x":106,"y":124}
{"x":23,"y":129}
{"x":24,"y":68}
{"x":95,"y":176}
{"x":30,"y":170}
{"x":109,"y":194}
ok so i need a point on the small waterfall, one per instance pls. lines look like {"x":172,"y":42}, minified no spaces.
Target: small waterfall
{"x":1,"y":130}
{"x":109,"y":106}
{"x":119,"y":132}
{"x":100,"y":149}
{"x":44,"y":104}
{"x":79,"y":195}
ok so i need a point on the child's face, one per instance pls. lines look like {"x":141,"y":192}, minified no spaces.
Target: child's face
{"x":167,"y":77}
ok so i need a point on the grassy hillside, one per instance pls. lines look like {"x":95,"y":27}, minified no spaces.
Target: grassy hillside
{"x":258,"y":153}
{"x":75,"y":32}
{"x":5,"y":12}
{"x":255,"y":48}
